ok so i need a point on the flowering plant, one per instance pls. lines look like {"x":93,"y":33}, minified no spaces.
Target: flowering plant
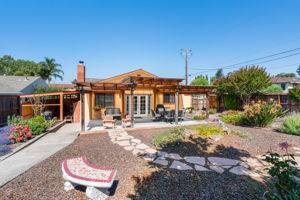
{"x":284,"y":172}
{"x":19,"y":134}
{"x":262,"y":113}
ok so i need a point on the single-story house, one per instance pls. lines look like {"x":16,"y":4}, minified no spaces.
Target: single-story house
{"x":135,"y":93}
{"x":286,"y":83}
{"x":10,"y":89}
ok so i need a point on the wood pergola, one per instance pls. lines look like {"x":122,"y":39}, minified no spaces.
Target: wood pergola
{"x":168,"y":85}
{"x":61,"y":99}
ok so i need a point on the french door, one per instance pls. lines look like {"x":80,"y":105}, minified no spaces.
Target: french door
{"x":142,"y":105}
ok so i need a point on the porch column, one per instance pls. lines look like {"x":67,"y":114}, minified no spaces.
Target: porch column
{"x":207,"y":105}
{"x":176,"y":106}
{"x":123,"y":104}
{"x":132,"y":105}
{"x":82,"y":110}
{"x":61,"y":107}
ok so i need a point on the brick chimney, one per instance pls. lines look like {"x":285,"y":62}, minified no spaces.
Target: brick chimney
{"x":81,"y":72}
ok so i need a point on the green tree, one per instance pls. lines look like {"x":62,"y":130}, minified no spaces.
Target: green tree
{"x":244,"y":83}
{"x":50,"y":69}
{"x":286,"y":75}
{"x":200,"y":80}
{"x":272,"y":89}
{"x":298,"y":70}
{"x":219,"y":73}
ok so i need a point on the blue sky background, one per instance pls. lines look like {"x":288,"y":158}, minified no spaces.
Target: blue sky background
{"x":114,"y":37}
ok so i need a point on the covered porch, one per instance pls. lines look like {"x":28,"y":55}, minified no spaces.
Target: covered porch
{"x":137,"y":97}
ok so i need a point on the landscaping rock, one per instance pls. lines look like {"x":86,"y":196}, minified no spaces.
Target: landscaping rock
{"x":217,"y":169}
{"x":161,"y":161}
{"x":137,"y":141}
{"x":142,"y":146}
{"x":174,"y":156}
{"x":201,"y":168}
{"x":252,"y":162}
{"x":148,"y":157}
{"x":123,"y":143}
{"x":124,"y":138}
{"x":240,"y":170}
{"x":151,"y":151}
{"x":222,"y":161}
{"x":162,"y":154}
{"x":129,"y":148}
{"x":195,"y":160}
{"x":180,"y":165}
{"x":138,"y":152}
{"x":226,"y":166}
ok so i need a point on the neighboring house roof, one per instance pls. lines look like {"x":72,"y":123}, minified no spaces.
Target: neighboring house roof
{"x":93,"y":80}
{"x":285,"y":80}
{"x":119,"y":78}
{"x":62,"y":85}
{"x":10,"y":85}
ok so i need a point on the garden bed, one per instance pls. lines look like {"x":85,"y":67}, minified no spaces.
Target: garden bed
{"x":11,"y":148}
{"x":136,"y":178}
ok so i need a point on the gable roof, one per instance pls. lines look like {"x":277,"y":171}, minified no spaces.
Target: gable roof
{"x":18,"y":84}
{"x":119,"y":78}
{"x":285,"y":80}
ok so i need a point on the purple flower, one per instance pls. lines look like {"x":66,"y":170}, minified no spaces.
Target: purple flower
{"x":284,"y":145}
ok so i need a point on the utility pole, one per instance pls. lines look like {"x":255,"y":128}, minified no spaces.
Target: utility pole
{"x":186,"y":53}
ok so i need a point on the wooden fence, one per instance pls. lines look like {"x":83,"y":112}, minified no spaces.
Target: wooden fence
{"x":9,"y":105}
{"x":199,"y":101}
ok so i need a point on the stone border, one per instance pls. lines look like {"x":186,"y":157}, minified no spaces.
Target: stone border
{"x":216,"y":164}
{"x":29,"y":142}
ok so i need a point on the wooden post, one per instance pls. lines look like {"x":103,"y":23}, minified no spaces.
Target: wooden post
{"x":154,"y":99}
{"x":123,"y":103}
{"x":132,"y":105}
{"x":93,"y":105}
{"x":61,"y":107}
{"x":207,"y":105}
{"x":176,"y":106}
{"x":82,"y":110}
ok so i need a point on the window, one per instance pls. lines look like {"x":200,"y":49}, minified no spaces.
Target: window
{"x":169,"y":98}
{"x":104,"y":100}
{"x":283,"y":86}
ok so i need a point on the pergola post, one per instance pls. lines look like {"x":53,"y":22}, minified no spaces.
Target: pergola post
{"x":132,"y":105}
{"x":207,"y":106}
{"x":82,"y":110}
{"x":176,"y":106}
{"x":61,"y":107}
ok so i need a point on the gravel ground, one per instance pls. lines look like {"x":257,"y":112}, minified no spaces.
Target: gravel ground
{"x":137,"y":179}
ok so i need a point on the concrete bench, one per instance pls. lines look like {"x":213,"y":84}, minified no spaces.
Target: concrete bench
{"x":77,"y":171}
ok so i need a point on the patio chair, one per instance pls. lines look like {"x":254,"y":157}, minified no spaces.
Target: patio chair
{"x":109,"y":122}
{"x":169,"y":116}
{"x":160,"y":109}
{"x":181,"y":114}
{"x":156,"y":116}
{"x":78,"y":171}
{"x":127,"y":121}
{"x":114,"y":112}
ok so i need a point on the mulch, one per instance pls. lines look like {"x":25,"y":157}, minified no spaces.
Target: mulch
{"x":138,"y":179}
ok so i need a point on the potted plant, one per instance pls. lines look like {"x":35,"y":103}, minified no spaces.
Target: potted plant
{"x":97,"y":113}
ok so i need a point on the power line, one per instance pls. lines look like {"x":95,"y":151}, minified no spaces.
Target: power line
{"x":279,"y":58}
{"x":248,"y":61}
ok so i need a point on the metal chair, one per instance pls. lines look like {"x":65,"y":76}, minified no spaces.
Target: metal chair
{"x":169,"y":116}
{"x":156,"y":116}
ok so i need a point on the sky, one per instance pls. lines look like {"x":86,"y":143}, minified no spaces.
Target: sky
{"x":114,"y":37}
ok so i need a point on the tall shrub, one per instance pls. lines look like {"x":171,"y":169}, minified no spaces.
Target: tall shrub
{"x":244,"y":83}
{"x":262,"y":113}
{"x":295,"y":93}
{"x":230,"y":102}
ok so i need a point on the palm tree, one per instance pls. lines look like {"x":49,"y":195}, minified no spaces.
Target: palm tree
{"x":50,"y":69}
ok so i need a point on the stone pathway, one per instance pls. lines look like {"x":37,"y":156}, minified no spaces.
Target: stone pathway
{"x":175,"y":161}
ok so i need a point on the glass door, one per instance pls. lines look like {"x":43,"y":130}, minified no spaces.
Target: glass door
{"x":142,"y":105}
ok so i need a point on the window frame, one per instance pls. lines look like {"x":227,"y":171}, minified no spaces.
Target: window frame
{"x":170,"y":98}
{"x":104,"y":100}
